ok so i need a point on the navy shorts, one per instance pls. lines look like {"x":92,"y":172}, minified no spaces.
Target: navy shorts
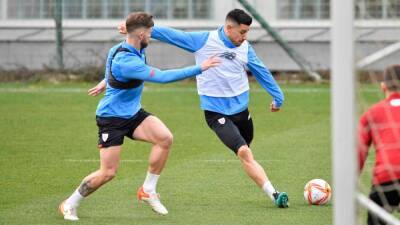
{"x":112,"y":130}
{"x":233,"y":130}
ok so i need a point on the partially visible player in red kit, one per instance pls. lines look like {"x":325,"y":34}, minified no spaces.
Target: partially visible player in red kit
{"x":380,"y":125}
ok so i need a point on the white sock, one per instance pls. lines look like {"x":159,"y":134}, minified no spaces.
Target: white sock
{"x":150,"y":183}
{"x":269,"y":189}
{"x":74,"y":199}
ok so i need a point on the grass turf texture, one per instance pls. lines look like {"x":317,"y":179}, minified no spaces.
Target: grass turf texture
{"x":48,"y":144}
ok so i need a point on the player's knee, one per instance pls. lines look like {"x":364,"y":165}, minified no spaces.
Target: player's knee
{"x":166,"y":140}
{"x":245,"y":155}
{"x":109,"y":174}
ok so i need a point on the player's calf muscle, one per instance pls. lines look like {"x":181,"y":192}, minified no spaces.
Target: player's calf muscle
{"x":89,"y":185}
{"x":85,"y":189}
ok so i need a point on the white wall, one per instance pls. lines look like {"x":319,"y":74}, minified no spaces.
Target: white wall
{"x":3,"y":9}
{"x":221,"y":8}
{"x":267,"y":9}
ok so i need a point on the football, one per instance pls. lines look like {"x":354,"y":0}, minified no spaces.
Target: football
{"x":317,"y":192}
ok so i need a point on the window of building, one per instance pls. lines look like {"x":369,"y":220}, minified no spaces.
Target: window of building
{"x":180,"y":9}
{"x":114,"y":9}
{"x":378,"y":9}
{"x":159,"y":8}
{"x":201,"y":9}
{"x":93,"y":9}
{"x":137,"y":5}
{"x":303,"y":9}
{"x":319,"y":9}
{"x":394,"y":9}
{"x":48,"y":8}
{"x":24,"y":9}
{"x":72,"y":9}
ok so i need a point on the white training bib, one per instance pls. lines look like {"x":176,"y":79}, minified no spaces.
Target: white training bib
{"x":229,"y":78}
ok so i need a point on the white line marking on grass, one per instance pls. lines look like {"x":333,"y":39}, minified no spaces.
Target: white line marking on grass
{"x":160,"y":90}
{"x":256,"y":90}
{"x":42,"y":90}
{"x":232,"y":160}
{"x":98,"y":160}
{"x":145,"y":161}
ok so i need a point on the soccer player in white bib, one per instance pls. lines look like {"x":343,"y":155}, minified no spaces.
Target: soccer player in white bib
{"x":224,"y":90}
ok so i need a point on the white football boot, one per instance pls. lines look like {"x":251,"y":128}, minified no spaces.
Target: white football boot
{"x":69,"y":212}
{"x":153,"y":200}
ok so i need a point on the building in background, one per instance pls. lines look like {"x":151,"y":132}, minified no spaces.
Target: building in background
{"x":27,"y":35}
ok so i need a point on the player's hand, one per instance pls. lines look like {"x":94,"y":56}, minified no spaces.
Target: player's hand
{"x":96,"y":90}
{"x":122,"y":28}
{"x":273,"y":108}
{"x":210,"y":62}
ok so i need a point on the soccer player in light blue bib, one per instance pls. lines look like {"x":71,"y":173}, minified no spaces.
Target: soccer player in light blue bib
{"x":224,"y":90}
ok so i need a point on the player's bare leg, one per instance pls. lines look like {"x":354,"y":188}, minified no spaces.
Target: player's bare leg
{"x":109,"y":162}
{"x":258,"y":175}
{"x":154,"y":131}
{"x":252,"y":168}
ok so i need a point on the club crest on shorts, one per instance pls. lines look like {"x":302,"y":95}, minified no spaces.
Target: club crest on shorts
{"x":104,"y":136}
{"x":221,"y":120}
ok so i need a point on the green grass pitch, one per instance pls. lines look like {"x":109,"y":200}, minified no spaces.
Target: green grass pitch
{"x":48,"y":140}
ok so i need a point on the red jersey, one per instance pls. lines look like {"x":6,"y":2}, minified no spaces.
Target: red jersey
{"x":380,"y":125}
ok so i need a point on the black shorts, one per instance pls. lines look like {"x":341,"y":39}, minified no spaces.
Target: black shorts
{"x":112,"y":130}
{"x":233,"y":130}
{"x":385,"y":195}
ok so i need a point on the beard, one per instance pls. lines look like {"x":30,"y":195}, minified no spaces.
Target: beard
{"x":143,"y":44}
{"x":238,"y":43}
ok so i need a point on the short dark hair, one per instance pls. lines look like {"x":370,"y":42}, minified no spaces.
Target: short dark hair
{"x":138,"y":20}
{"x":239,"y":16}
{"x":391,"y":77}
